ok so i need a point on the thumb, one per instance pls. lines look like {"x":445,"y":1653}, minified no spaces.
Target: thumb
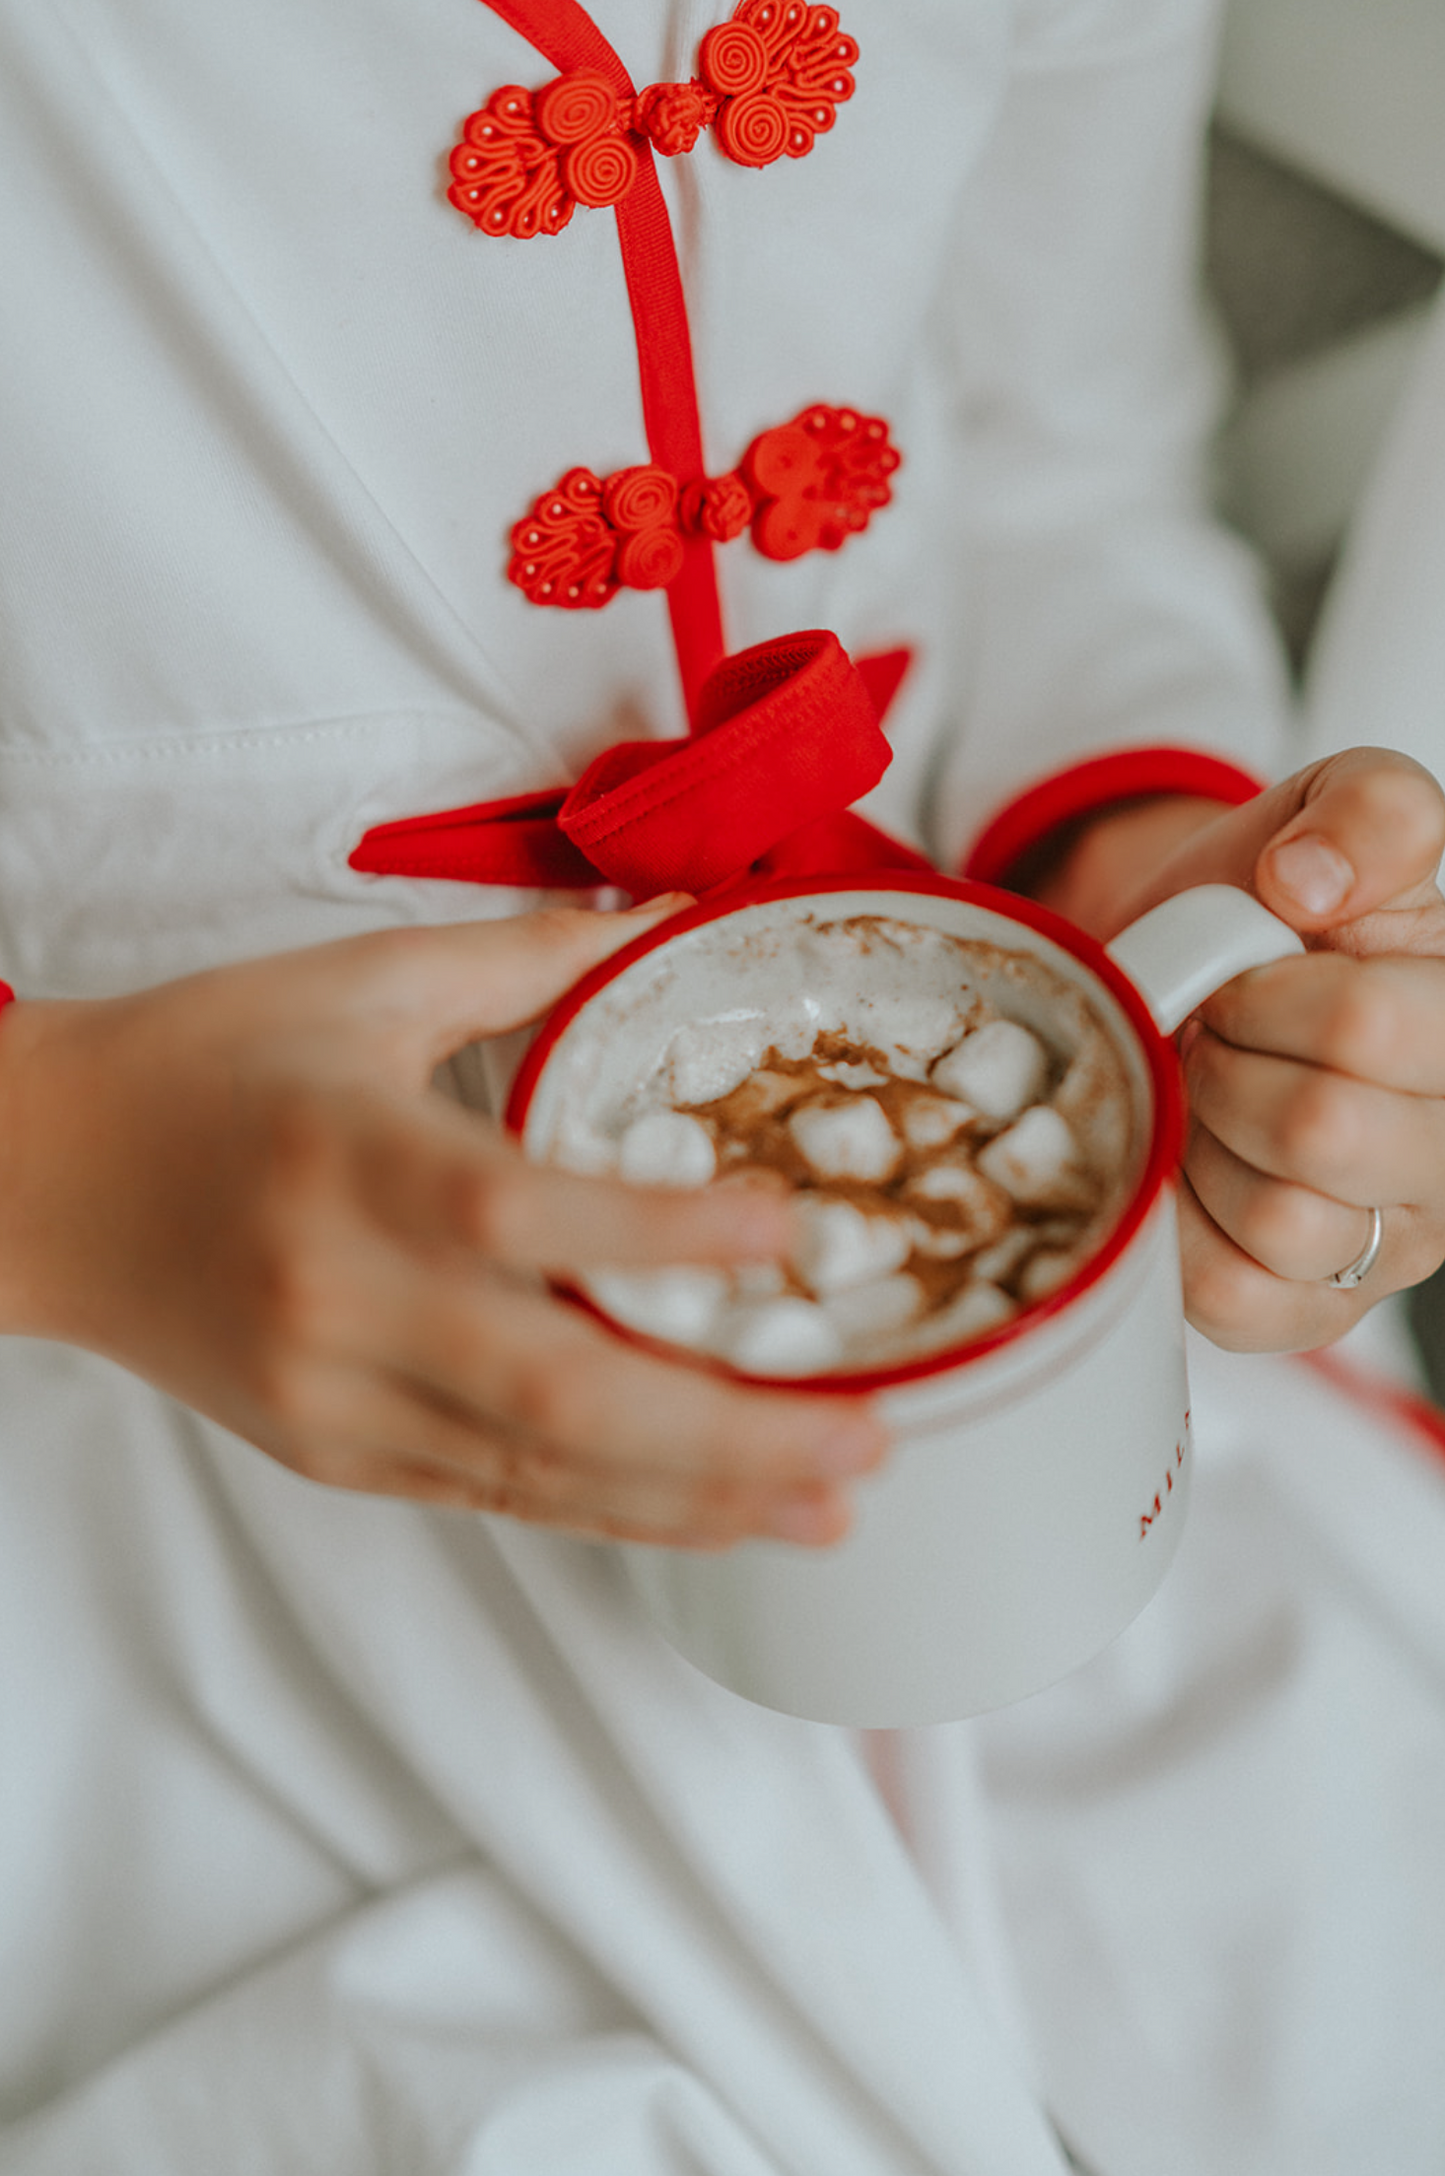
{"x":1366,"y":833}
{"x":445,"y":987}
{"x":1339,"y":840}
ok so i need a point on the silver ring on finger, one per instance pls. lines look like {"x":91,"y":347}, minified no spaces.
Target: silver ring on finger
{"x":1354,"y":1273}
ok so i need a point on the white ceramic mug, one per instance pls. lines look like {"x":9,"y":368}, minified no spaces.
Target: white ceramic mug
{"x":1037,"y":1488}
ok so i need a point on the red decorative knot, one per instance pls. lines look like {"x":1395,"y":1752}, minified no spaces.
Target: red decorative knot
{"x":817,"y":480}
{"x":805,"y":486}
{"x":770,"y":81}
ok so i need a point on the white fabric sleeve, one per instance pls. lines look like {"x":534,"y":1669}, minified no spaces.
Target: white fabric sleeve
{"x":1107,"y":610}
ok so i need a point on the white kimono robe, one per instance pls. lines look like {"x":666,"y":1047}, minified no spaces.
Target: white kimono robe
{"x":340,"y":1835}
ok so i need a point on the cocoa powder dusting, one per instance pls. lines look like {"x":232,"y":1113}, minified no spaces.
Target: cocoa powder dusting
{"x":750,"y":1131}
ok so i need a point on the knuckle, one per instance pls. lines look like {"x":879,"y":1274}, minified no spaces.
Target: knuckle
{"x":1362,"y":1025}
{"x":522,"y":1481}
{"x":337,"y":1465}
{"x":537,"y":1479}
{"x":285,"y":1389}
{"x":1319,"y":1130}
{"x":1286,"y":1225}
{"x":499,"y":1208}
{"x":498,"y":1501}
{"x":401,"y":1473}
{"x":459,"y":1347}
{"x":298,"y":1143}
{"x":745,"y":1462}
{"x":547,"y":1400}
{"x":1221,"y":1291}
{"x":1407,"y":804}
{"x":717,"y":1501}
{"x":461,"y":1494}
{"x":560,"y":929}
{"x":298,"y":1296}
{"x":1217,"y":1306}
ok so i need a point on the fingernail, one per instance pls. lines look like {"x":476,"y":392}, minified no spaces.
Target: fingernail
{"x":809,"y":1519}
{"x":1314,"y":873}
{"x":664,"y":903}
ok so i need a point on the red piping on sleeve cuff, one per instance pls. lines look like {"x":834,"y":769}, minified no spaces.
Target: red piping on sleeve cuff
{"x":1130,"y":774}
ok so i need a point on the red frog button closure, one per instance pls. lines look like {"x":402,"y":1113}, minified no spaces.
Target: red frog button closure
{"x":770,"y":82}
{"x":804,"y":486}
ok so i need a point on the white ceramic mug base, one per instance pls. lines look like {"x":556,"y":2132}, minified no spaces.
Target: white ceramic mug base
{"x":1037,"y":1489}
{"x":1040,"y":1544}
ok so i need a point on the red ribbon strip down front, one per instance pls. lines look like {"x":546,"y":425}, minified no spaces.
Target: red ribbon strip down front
{"x":769,"y":82}
{"x":804,"y":486}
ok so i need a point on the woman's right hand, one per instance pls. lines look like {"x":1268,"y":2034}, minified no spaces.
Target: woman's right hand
{"x":243,"y":1187}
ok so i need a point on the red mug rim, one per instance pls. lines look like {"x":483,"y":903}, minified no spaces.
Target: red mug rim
{"x":1165,"y":1143}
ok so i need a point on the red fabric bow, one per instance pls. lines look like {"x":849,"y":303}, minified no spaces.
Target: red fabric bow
{"x":787,"y":736}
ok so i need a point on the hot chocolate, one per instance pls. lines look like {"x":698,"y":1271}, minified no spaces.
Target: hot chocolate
{"x":955,"y":1120}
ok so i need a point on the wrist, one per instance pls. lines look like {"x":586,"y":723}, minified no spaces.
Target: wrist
{"x":1087,"y":839}
{"x":1105,"y":862}
{"x":36,"y":1212}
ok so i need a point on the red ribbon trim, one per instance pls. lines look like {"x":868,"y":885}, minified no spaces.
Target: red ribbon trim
{"x":788,"y":733}
{"x":1084,"y":789}
{"x":514,"y":841}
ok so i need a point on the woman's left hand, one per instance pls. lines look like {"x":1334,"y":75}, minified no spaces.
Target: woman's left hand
{"x":1316,"y":1085}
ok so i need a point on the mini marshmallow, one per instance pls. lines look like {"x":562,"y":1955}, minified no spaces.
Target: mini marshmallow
{"x":1037,"y":1159}
{"x":681,"y":1304}
{"x":1046,"y":1271}
{"x":795,"y":1029}
{"x":708,"y":1058}
{"x":939,"y":1242}
{"x":666,"y":1148}
{"x":763,"y":1095}
{"x":582,"y":1150}
{"x":1058,"y":1232}
{"x":907,"y":1029}
{"x":933,"y":1121}
{"x":978,"y":1309}
{"x":998,"y":1262}
{"x":780,"y":1337}
{"x":851,"y":1140}
{"x":841,"y":1245}
{"x":869,"y":1311}
{"x":1001,"y":1068}
{"x":980,"y":1207}
{"x":850,"y":1073}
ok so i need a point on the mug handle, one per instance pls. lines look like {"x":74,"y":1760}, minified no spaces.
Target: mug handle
{"x":1182,"y":951}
